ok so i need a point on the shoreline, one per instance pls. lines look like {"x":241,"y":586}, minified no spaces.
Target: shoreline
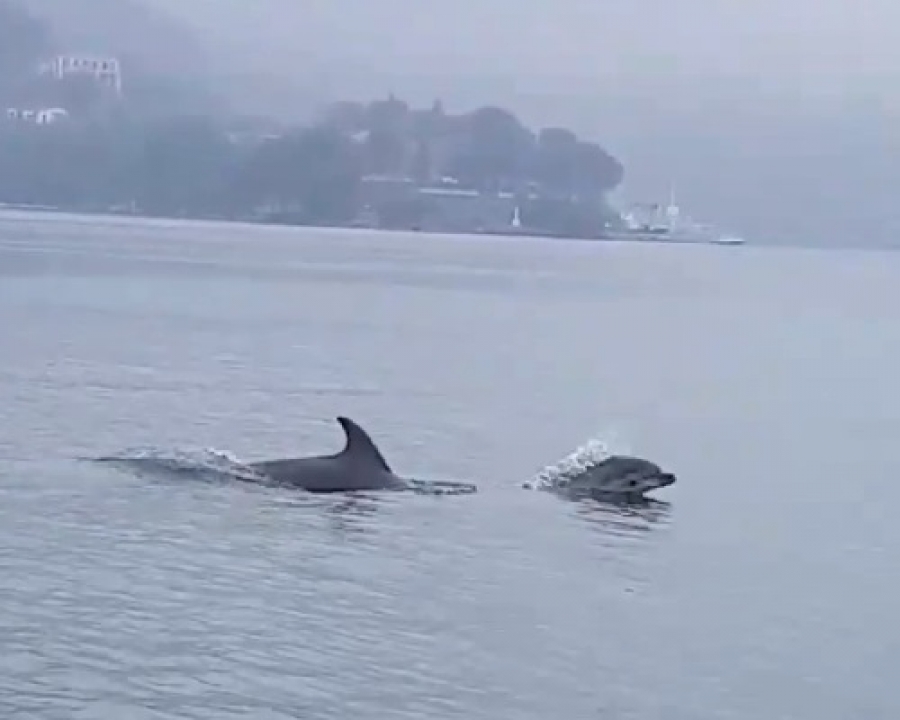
{"x":25,"y":210}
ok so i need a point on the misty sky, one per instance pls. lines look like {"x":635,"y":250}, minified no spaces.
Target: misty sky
{"x":786,"y":105}
{"x":822,"y":46}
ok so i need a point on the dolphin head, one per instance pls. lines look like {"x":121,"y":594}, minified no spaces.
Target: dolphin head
{"x":621,"y":476}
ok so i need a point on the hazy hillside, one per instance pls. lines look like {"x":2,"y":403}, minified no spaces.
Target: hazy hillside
{"x":784,"y":136}
{"x":775,"y":126}
{"x":127,"y":28}
{"x":164,"y":62}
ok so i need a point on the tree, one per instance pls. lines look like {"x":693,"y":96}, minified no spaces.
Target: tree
{"x":347,"y":116}
{"x":596,"y":171}
{"x":62,"y":165}
{"x":554,"y":161}
{"x":391,"y":114}
{"x":181,"y":166}
{"x":385,"y":151}
{"x":189,"y":166}
{"x":314,"y":172}
{"x":493,"y":151}
{"x":422,"y":162}
{"x":565,"y":165}
{"x":387,"y":122}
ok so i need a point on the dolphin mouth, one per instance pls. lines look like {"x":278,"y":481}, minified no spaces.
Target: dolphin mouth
{"x":665,"y":479}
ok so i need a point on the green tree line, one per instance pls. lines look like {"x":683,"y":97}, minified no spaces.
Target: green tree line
{"x":121,"y":152}
{"x":191,"y":166}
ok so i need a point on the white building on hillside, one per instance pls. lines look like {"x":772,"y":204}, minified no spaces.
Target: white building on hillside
{"x":43,"y":116}
{"x":106,"y":70}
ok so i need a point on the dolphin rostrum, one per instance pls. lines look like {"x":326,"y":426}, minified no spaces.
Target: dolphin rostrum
{"x":360,"y":466}
{"x":618,"y":478}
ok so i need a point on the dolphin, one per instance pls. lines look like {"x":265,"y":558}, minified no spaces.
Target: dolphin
{"x":618,"y":478}
{"x":360,"y":466}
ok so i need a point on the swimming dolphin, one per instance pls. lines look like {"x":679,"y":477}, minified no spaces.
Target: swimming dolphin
{"x":618,"y":478}
{"x":359,"y":466}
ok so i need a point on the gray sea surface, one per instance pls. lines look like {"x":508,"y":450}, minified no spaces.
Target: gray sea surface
{"x":766,"y":587}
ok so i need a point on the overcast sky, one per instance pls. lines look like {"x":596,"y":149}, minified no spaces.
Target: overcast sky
{"x":826,"y":46}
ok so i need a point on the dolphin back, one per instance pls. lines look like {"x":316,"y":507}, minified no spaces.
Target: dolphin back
{"x":360,"y":447}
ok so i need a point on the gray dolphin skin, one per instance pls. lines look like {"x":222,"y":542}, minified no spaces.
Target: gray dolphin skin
{"x":621,"y":478}
{"x":360,"y":466}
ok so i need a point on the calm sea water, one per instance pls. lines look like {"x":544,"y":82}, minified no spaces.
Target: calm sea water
{"x":766,"y":379}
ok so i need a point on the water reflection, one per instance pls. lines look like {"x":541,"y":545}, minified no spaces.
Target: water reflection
{"x":440,"y":487}
{"x":161,"y":466}
{"x":345,"y":513}
{"x":623,"y":518}
{"x":352,"y":514}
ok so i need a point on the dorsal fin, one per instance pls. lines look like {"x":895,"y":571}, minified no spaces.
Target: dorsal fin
{"x":359,"y":444}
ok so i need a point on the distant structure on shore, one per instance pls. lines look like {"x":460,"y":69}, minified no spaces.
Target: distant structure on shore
{"x":380,"y":164}
{"x":106,"y":71}
{"x":655,"y":222}
{"x":72,"y":136}
{"x":482,"y":171}
{"x":58,"y":93}
{"x":41,"y":116}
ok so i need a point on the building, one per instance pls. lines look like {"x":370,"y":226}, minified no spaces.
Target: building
{"x":43,"y":116}
{"x":105,"y":70}
{"x":468,"y":211}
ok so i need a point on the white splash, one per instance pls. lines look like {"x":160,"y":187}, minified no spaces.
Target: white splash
{"x":185,"y":460}
{"x":572,"y":466}
{"x":225,"y":462}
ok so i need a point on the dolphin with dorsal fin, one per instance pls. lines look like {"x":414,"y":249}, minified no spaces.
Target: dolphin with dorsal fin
{"x":360,"y":466}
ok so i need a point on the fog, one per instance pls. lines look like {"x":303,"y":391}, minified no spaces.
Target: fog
{"x":777,"y":119}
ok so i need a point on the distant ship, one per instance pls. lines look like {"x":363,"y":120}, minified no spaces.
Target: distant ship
{"x":651,"y":222}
